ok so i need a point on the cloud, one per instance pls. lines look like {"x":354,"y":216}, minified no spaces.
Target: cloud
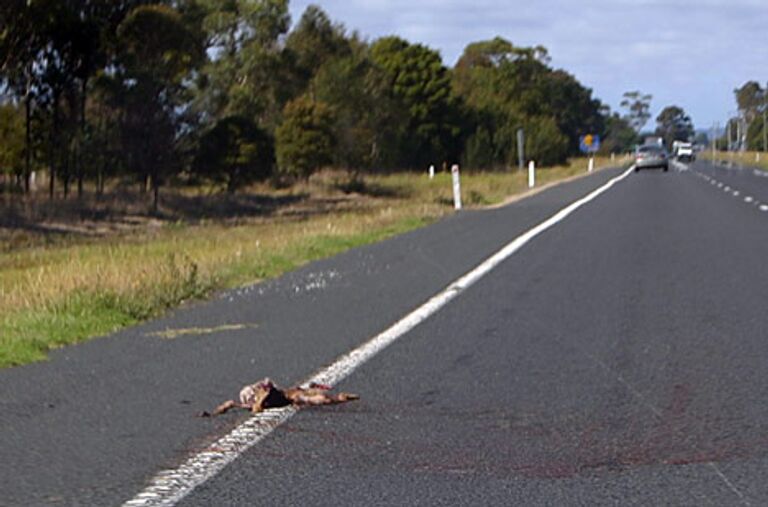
{"x":688,"y":52}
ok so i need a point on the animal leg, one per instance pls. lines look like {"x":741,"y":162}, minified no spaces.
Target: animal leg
{"x":316,"y":397}
{"x":223,"y":408}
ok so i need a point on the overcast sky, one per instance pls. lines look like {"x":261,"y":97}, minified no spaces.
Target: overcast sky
{"x":690,"y":53}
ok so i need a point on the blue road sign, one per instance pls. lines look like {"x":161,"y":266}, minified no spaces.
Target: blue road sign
{"x":589,"y":143}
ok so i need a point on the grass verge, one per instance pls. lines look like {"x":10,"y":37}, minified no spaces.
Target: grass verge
{"x":758,"y":160}
{"x":55,"y":295}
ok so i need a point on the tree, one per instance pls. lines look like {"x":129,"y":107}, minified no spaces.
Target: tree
{"x":418,"y":80}
{"x":478,"y":150}
{"x":544,"y":142}
{"x":304,"y":141}
{"x":12,"y":146}
{"x":157,"y":54}
{"x":236,"y":152}
{"x":314,"y":41}
{"x":638,"y":108}
{"x":507,"y":88}
{"x":674,"y":125}
{"x":619,"y":134}
{"x":756,"y":134}
{"x":368,"y":121}
{"x":22,"y":38}
{"x":571,"y":105}
{"x":247,"y":73}
{"x":751,"y":100}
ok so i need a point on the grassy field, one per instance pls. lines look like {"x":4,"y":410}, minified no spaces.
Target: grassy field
{"x":54,"y":293}
{"x":747,"y":158}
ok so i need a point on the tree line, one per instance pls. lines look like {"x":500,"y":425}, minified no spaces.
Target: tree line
{"x":227,"y":91}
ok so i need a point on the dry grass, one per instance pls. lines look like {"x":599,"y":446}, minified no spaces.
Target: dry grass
{"x":748,"y":158}
{"x":83,"y":286}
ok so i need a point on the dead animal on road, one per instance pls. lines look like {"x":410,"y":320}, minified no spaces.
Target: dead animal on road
{"x":265,"y":394}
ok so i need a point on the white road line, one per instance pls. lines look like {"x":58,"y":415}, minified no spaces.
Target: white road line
{"x":763,"y":207}
{"x":749,"y":199}
{"x":736,"y":193}
{"x":170,"y":486}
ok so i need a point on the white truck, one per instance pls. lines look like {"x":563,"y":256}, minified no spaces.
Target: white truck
{"x":683,"y":151}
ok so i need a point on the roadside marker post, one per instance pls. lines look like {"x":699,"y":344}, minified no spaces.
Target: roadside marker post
{"x":431,"y":172}
{"x":531,"y":174}
{"x":456,"y":187}
{"x":590,"y":144}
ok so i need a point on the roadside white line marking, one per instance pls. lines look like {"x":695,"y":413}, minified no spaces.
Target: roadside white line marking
{"x":749,"y":198}
{"x":735,"y":193}
{"x":170,"y":486}
{"x":763,"y":207}
{"x":719,"y":185}
{"x":727,"y":188}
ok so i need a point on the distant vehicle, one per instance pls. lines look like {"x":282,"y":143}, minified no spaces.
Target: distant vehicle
{"x":654,"y":141}
{"x":651,"y":155}
{"x":683,"y":151}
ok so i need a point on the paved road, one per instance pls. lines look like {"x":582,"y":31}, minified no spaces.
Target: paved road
{"x":96,"y":422}
{"x":619,"y":358}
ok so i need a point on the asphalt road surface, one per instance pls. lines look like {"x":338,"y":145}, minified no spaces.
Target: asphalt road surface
{"x":619,"y":358}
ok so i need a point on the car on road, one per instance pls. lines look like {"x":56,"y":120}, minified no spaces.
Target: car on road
{"x":651,"y":155}
{"x":683,"y":151}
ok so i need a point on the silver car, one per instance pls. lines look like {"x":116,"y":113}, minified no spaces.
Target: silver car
{"x":649,"y":156}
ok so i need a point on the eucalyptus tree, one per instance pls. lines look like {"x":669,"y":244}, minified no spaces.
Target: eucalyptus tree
{"x":673,"y":124}
{"x":235,"y":152}
{"x":245,"y":71}
{"x":11,"y":141}
{"x":22,"y":38}
{"x":417,"y":79}
{"x":368,"y":121}
{"x":638,"y":109}
{"x":314,"y":41}
{"x":507,"y":88}
{"x":157,"y":54}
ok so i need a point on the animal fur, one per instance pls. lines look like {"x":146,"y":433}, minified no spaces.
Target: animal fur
{"x":265,"y":394}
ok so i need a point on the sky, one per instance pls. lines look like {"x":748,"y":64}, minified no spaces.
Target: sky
{"x":689,"y":53}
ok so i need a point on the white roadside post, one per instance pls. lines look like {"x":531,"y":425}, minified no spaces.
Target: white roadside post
{"x":531,"y":174}
{"x":456,"y":187}
{"x":591,"y":163}
{"x":431,"y":172}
